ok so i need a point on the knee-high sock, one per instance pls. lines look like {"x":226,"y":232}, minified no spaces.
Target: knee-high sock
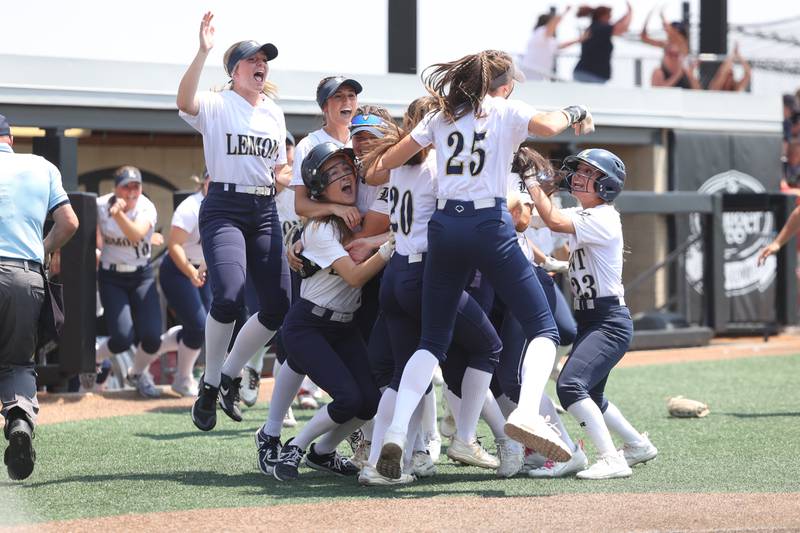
{"x":591,"y":419}
{"x":416,"y":378}
{"x":102,"y":352}
{"x":276,"y":367}
{"x":507,"y":406}
{"x":218,"y":337}
{"x":429,"y":426}
{"x":320,"y":424}
{"x":169,"y":339}
{"x":453,"y":402}
{"x":548,"y":409}
{"x":330,"y":440}
{"x":368,"y":428}
{"x":493,"y":416}
{"x":414,"y":442}
{"x":141,"y":360}
{"x":251,"y":339}
{"x":257,"y":361}
{"x":187,"y":357}
{"x":284,"y":391}
{"x":617,"y":423}
{"x":381,"y":421}
{"x":473,"y":395}
{"x":536,"y":369}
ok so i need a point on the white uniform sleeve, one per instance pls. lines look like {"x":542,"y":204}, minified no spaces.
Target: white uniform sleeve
{"x":281,"y":159}
{"x":423,"y":131}
{"x":321,"y":245}
{"x":516,"y":185}
{"x":594,"y":227}
{"x":300,"y":152}
{"x":149,"y":214}
{"x":209,"y":105}
{"x":519,"y":115}
{"x":184,"y":217}
{"x":381,"y":203}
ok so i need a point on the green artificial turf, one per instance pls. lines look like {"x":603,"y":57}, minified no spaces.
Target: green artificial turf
{"x":159,"y":462}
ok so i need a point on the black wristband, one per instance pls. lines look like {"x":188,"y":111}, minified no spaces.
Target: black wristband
{"x":575,"y":113}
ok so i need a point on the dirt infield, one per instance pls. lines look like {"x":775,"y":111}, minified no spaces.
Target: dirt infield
{"x":572,"y":512}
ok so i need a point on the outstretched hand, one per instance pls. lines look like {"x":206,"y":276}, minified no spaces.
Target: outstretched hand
{"x":207,"y":32}
{"x":768,"y":250}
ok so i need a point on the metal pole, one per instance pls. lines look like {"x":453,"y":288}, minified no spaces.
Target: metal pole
{"x":403,"y":36}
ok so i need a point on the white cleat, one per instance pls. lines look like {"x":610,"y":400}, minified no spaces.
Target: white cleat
{"x":641,"y":452}
{"x":511,"y":454}
{"x":537,"y":434}
{"x":186,"y":387}
{"x":422,"y":465}
{"x":552,"y":469}
{"x":471,"y":453}
{"x":609,"y":466}
{"x":289,"y":420}
{"x":390,"y":462}
{"x":370,"y":477}
{"x":434,"y":446}
{"x":251,"y":382}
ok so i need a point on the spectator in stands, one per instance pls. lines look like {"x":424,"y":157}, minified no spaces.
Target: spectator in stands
{"x":540,"y":53}
{"x":673,"y":72}
{"x":791,"y":169}
{"x":30,"y":188}
{"x":594,"y":65}
{"x":791,"y":120}
{"x":675,"y":31}
{"x":725,"y":80}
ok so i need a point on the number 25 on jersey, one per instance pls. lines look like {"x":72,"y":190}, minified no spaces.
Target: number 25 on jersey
{"x":456,"y":141}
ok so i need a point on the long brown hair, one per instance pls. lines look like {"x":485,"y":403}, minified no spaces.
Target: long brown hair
{"x":417,"y":110}
{"x":530,"y":163}
{"x":460,"y":86}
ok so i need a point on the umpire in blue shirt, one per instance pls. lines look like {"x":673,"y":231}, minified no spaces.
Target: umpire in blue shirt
{"x":30,"y":188}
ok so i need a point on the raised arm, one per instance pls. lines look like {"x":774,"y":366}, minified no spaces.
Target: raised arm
{"x":622,"y":25}
{"x":552,"y":217}
{"x":554,"y":122}
{"x":645,"y":37}
{"x":306,"y":207}
{"x":187,"y":90}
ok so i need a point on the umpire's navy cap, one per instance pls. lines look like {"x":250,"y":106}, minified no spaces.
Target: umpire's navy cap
{"x":329,"y":88}
{"x":247,"y":49}
{"x":127,"y":174}
{"x":5,"y":127}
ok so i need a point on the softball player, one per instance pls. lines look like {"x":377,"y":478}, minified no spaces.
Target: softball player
{"x":320,"y":335}
{"x":183,"y":280}
{"x":476,"y":131}
{"x":244,"y":136}
{"x":125,"y":222}
{"x":595,"y":177}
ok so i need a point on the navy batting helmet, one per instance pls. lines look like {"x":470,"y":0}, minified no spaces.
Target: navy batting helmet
{"x":311,"y":169}
{"x":609,"y":185}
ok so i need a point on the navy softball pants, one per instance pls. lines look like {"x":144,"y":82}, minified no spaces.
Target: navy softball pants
{"x":604,"y":335}
{"x":190,"y":303}
{"x":462,"y":238}
{"x":401,"y":304}
{"x":241,"y":233}
{"x":334,"y":356}
{"x":132,"y":310}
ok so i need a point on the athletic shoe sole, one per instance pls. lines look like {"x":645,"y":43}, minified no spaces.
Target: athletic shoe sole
{"x":285,"y":476}
{"x":643,"y":459}
{"x":390,"y":462}
{"x":322,"y":468}
{"x":472,"y":460}
{"x":612,"y":475}
{"x":19,"y":456}
{"x":204,"y":425}
{"x":544,"y":446}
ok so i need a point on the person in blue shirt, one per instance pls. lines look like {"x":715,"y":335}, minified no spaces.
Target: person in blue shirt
{"x":30,"y":189}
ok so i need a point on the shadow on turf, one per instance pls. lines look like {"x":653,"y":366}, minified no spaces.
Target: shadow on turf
{"x":760,"y":415}
{"x":311,"y":484}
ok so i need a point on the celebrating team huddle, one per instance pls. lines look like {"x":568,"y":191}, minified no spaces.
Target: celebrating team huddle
{"x":409,"y":239}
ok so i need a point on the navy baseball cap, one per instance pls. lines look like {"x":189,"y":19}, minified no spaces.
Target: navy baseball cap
{"x":5,"y":127}
{"x":247,"y":49}
{"x":370,"y":123}
{"x":327,"y":89}
{"x":127,"y":174}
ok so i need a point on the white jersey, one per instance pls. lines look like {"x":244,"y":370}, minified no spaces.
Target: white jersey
{"x":326,"y":288}
{"x":117,"y":248}
{"x":186,"y":217}
{"x":595,"y":261}
{"x":304,"y":147}
{"x":284,"y":202}
{"x":372,"y":198}
{"x":412,"y":195}
{"x":540,"y":54}
{"x":242,"y":144}
{"x":474,"y":154}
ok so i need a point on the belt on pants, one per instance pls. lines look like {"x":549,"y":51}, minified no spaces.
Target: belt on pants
{"x":121,"y":268}
{"x":27,"y":264}
{"x":257,"y":190}
{"x":587,"y":304}
{"x":415,"y":258}
{"x":481,"y":203}
{"x":329,"y":314}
